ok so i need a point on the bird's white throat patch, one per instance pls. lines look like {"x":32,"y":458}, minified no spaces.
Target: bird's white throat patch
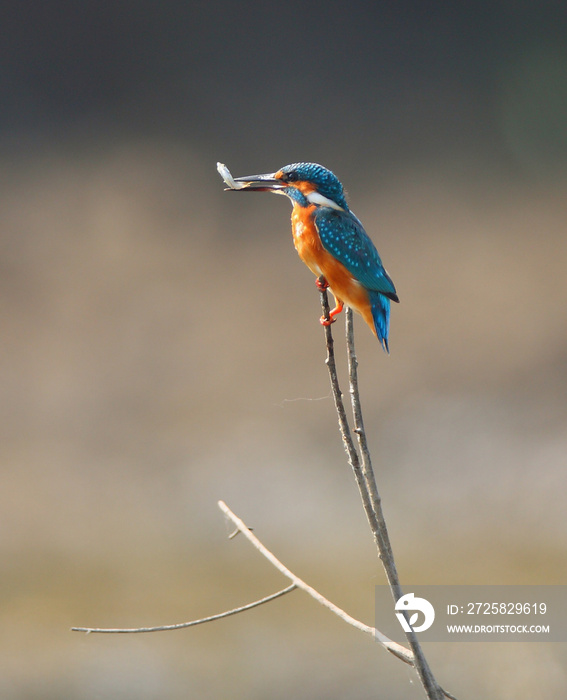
{"x":321,"y":200}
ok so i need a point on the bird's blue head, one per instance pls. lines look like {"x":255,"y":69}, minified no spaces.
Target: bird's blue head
{"x":303,"y":183}
{"x":312,"y":177}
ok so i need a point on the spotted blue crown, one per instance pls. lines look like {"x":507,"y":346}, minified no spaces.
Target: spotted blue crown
{"x":326,"y":182}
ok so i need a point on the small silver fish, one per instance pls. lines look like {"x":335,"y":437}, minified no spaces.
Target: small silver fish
{"x":224,"y":172}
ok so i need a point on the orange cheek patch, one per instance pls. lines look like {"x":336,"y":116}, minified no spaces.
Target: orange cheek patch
{"x":304,"y":187}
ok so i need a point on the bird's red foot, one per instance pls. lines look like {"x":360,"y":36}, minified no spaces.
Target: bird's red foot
{"x":334,"y":312}
{"x":321,"y":284}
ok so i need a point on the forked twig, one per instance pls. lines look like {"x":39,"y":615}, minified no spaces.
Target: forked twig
{"x":397,"y":649}
{"x":348,"y":443}
{"x":296,"y":583}
{"x":393,"y":647}
{"x":364,"y":475}
{"x":365,"y":479}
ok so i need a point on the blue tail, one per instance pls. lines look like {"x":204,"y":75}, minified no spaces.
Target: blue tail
{"x":381,"y":314}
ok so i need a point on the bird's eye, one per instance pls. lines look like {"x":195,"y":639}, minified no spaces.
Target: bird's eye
{"x":291,"y":177}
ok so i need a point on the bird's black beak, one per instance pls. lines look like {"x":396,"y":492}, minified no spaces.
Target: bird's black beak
{"x":253,"y":183}
{"x":259,"y":183}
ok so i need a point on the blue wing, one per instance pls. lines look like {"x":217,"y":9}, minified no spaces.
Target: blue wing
{"x":344,"y":237}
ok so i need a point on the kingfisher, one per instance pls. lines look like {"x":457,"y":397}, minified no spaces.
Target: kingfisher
{"x":330,"y":240}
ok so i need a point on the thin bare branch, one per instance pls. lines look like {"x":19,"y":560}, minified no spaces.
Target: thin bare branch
{"x":192,"y":623}
{"x":397,"y":649}
{"x":348,"y":443}
{"x":427,"y":678}
{"x":394,"y":648}
{"x":365,"y":479}
{"x":381,"y":532}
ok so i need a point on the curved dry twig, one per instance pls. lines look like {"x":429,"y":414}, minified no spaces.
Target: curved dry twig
{"x":394,"y":648}
{"x":397,"y":649}
{"x":183,"y":625}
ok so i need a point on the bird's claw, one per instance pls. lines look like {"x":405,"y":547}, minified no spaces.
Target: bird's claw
{"x":332,"y":313}
{"x":321,"y":284}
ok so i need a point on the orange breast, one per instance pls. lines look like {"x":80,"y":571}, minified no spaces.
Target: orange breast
{"x":343,"y":285}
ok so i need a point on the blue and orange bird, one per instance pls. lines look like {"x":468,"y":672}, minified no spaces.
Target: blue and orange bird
{"x":330,"y":240}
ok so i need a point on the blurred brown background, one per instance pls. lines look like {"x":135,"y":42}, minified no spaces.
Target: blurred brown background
{"x":161,"y":351}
